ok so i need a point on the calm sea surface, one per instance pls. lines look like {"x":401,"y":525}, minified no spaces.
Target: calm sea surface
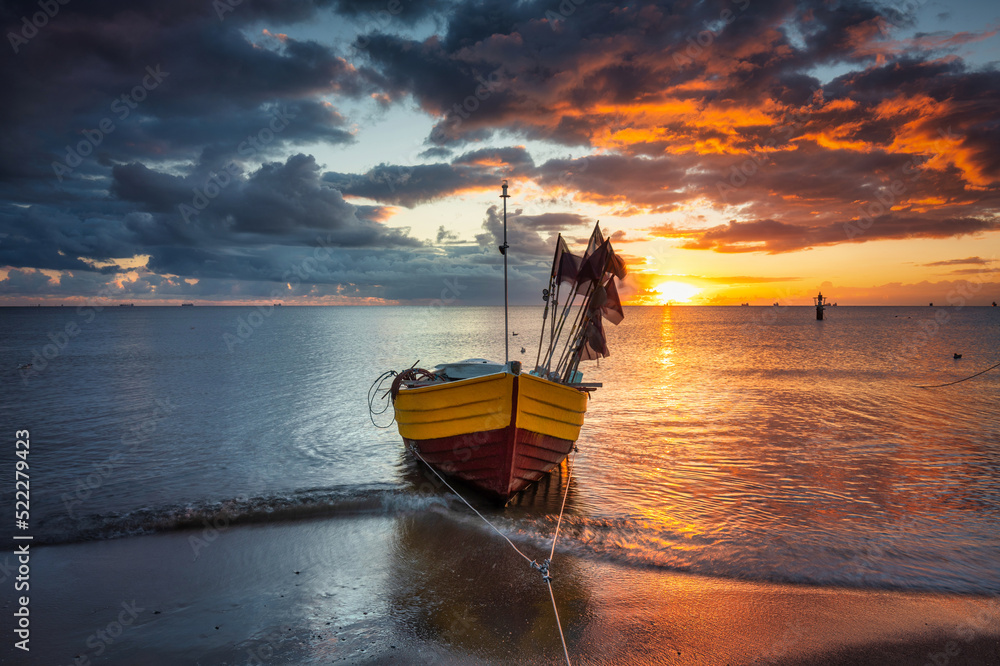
{"x":752,"y":443}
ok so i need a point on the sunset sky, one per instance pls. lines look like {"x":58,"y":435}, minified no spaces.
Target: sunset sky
{"x":351,"y":151}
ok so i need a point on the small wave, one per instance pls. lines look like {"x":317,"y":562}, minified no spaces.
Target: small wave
{"x":729,"y":551}
{"x":301,"y":505}
{"x":738,"y":554}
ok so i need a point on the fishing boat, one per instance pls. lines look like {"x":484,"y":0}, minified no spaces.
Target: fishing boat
{"x":493,"y":425}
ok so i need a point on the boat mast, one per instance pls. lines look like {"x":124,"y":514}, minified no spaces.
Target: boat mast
{"x":503,"y":251}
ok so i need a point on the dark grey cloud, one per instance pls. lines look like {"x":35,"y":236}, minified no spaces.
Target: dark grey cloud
{"x":413,"y":185}
{"x":166,"y":131}
{"x":117,"y":82}
{"x":469,"y":275}
{"x":774,"y":237}
{"x":381,"y":14}
{"x":531,"y":236}
{"x":247,"y":227}
{"x":669,"y":97}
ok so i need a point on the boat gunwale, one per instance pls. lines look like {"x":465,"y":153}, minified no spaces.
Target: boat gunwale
{"x":493,"y":376}
{"x":426,"y":388}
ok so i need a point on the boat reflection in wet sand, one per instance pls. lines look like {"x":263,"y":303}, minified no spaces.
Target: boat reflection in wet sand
{"x":501,"y":429}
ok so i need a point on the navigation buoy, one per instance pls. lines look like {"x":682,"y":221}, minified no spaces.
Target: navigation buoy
{"x":821,"y":303}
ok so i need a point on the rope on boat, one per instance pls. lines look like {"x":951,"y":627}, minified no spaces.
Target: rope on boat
{"x":413,"y":373}
{"x":373,"y":396}
{"x":544,"y":567}
{"x":959,"y":381}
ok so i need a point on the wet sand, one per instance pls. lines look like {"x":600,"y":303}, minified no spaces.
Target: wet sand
{"x":432,"y":589}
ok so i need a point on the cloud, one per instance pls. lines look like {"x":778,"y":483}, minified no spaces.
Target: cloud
{"x":978,"y":291}
{"x":131,"y":82}
{"x":743,"y":279}
{"x":960,"y":262}
{"x":257,"y":226}
{"x":528,"y":235}
{"x":126,"y":113}
{"x":676,"y":100}
{"x":775,"y":237}
{"x":310,"y":275}
{"x":412,"y":185}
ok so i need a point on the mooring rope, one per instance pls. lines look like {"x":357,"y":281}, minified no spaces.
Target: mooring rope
{"x":558,"y":623}
{"x":552,"y":553}
{"x":562,"y":507}
{"x":544,"y":567}
{"x":417,"y":453}
{"x":959,"y":381}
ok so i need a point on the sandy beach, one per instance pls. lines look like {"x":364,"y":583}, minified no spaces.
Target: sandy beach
{"x":426,"y":588}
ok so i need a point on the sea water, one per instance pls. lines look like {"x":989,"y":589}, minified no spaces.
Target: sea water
{"x":753,"y":443}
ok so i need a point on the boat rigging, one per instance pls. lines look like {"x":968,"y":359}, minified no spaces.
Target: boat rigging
{"x":494,"y":426}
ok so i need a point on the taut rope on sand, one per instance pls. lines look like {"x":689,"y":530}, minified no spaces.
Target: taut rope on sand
{"x":544,"y":567}
{"x":959,"y":381}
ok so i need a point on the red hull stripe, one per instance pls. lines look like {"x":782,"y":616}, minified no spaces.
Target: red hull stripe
{"x":499,"y":462}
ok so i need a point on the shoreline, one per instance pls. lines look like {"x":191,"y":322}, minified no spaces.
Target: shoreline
{"x":427,"y":589}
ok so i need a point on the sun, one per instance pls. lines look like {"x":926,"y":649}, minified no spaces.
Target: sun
{"x":675,"y":292}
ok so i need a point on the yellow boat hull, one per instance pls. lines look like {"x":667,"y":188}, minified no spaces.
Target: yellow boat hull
{"x":500,"y":432}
